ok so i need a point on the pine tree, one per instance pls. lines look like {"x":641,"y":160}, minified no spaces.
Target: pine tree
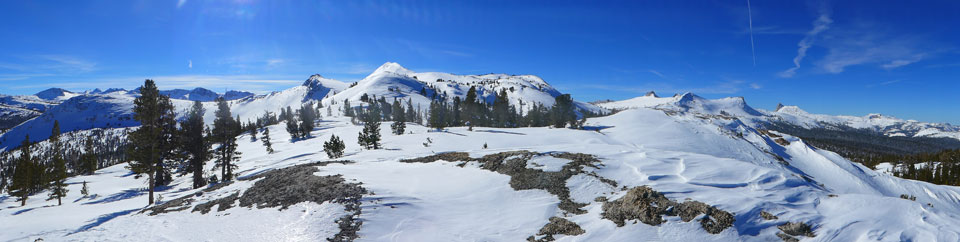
{"x":58,"y":177}
{"x":266,"y":140}
{"x":399,"y":118}
{"x":470,"y":107}
{"x":347,"y":109}
{"x":84,"y":190}
{"x":23,"y":173}
{"x":411,"y":116}
{"x":562,"y":112}
{"x":58,"y":174}
{"x":307,"y":118}
{"x":329,"y":111}
{"x":225,"y":133}
{"x":292,"y":127}
{"x":334,"y":147}
{"x":501,"y":109}
{"x":195,"y":144}
{"x":88,"y":161}
{"x":437,"y":113}
{"x":151,"y":144}
{"x":369,"y":137}
{"x":252,"y":128}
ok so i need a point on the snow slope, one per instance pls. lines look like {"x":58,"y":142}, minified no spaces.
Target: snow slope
{"x":712,"y":159}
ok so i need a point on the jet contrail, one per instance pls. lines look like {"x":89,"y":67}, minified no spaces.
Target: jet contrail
{"x":753,"y":50}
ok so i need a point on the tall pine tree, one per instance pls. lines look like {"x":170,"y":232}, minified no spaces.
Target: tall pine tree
{"x":225,"y":131}
{"x":399,"y":118}
{"x":194,"y":143}
{"x":23,"y":173}
{"x":58,"y":172}
{"x":151,"y":144}
{"x":266,"y":140}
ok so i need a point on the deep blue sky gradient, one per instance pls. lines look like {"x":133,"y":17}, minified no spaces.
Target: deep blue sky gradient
{"x":899,"y":58}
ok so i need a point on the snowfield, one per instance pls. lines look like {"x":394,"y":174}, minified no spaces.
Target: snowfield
{"x":682,"y":155}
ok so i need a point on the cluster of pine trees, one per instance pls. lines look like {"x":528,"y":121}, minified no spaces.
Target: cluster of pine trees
{"x":82,"y":153}
{"x":32,"y":174}
{"x":302,"y":121}
{"x":471,"y":111}
{"x":161,"y":145}
{"x":476,"y":112}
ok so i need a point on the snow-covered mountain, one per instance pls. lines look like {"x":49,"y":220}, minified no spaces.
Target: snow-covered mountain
{"x":389,"y":80}
{"x":14,"y":110}
{"x":56,"y":94}
{"x":737,"y":107}
{"x":199,"y":94}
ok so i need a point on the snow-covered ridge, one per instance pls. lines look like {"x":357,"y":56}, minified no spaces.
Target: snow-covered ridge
{"x":737,"y":107}
{"x":391,"y":80}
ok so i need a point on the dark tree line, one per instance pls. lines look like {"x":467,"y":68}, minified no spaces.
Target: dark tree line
{"x":938,"y":168}
{"x":471,"y":111}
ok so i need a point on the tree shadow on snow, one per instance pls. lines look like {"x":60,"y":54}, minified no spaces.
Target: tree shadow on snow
{"x":444,"y":131}
{"x":125,"y":194}
{"x":499,"y":132}
{"x":596,"y":128}
{"x":23,"y":211}
{"x":298,"y":156}
{"x":102,"y":219}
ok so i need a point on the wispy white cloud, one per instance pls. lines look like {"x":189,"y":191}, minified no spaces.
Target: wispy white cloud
{"x":872,"y":47}
{"x":180,"y":3}
{"x":59,"y":64}
{"x":657,"y":73}
{"x":822,"y":23}
{"x":190,"y":64}
{"x":755,"y":86}
{"x":883,"y":83}
{"x":432,"y":51}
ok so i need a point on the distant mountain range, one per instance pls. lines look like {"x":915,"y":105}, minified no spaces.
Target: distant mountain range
{"x":34,"y":114}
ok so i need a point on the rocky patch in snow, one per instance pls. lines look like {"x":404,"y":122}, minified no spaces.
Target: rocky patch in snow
{"x":514,"y":164}
{"x":649,"y":206}
{"x":556,"y":226}
{"x":794,"y":229}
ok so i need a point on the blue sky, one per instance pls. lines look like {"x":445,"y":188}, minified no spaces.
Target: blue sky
{"x":899,"y":58}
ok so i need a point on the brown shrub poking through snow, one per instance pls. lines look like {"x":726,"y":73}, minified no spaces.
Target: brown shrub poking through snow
{"x":649,"y":206}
